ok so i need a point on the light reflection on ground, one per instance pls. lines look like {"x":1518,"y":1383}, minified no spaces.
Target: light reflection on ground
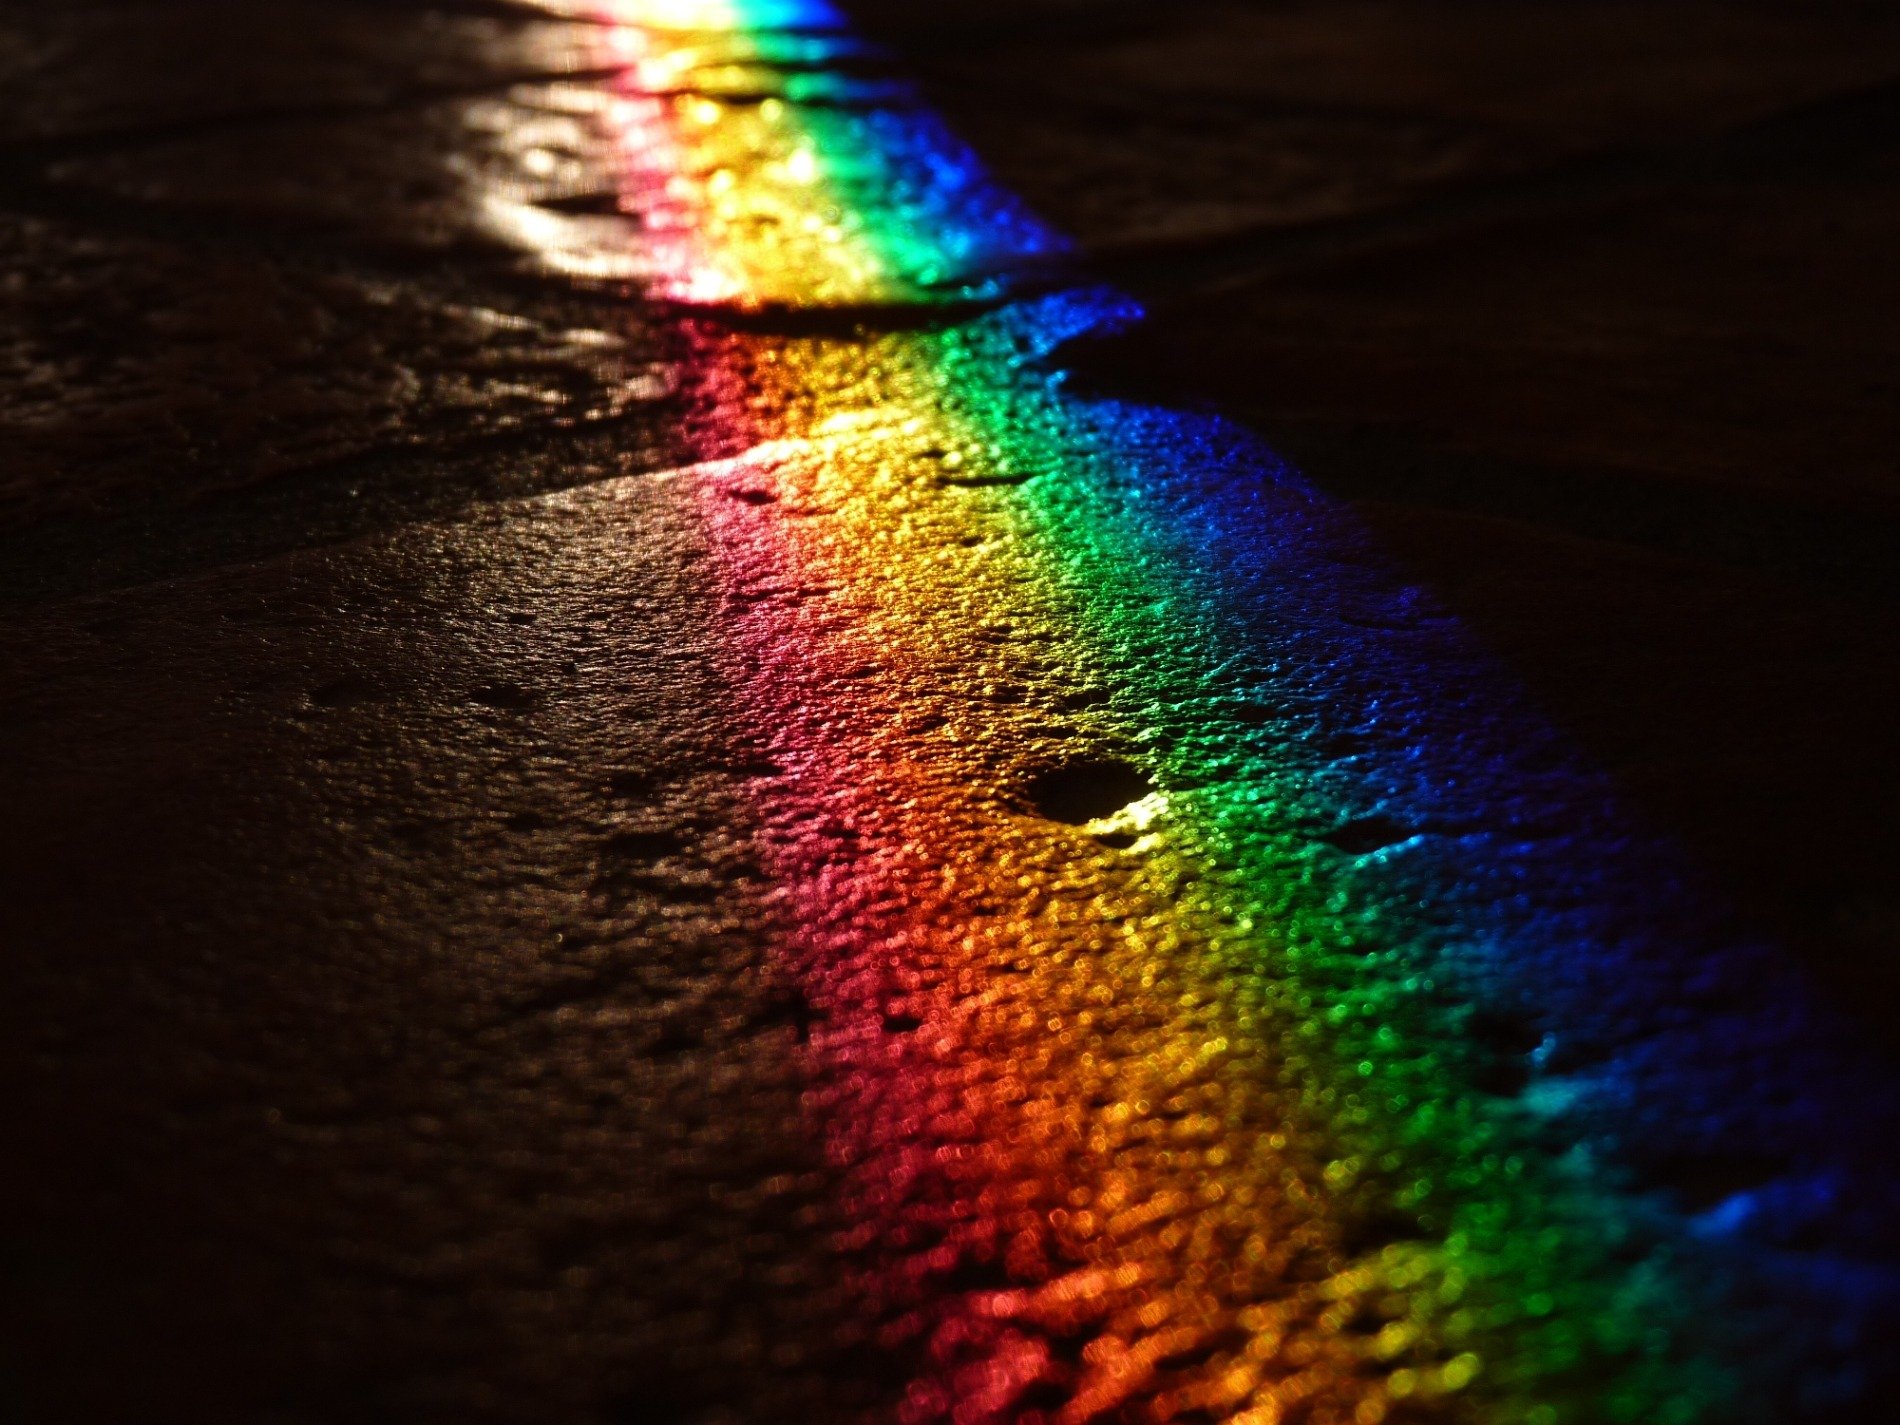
{"x":1329,"y":1079}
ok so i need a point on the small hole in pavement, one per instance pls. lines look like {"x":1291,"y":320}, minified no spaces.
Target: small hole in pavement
{"x":1376,"y":1228}
{"x":1503,"y":1032}
{"x":1699,"y":1182}
{"x":975,"y":1274}
{"x":630,"y":783}
{"x":1087,"y":790}
{"x":1367,"y":834}
{"x":505,"y":697}
{"x":1507,"y":1041}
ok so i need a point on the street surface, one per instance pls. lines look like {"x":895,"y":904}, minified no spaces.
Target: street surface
{"x":718,"y":712}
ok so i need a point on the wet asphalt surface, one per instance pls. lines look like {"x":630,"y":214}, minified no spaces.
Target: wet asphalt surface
{"x":393,"y":1025}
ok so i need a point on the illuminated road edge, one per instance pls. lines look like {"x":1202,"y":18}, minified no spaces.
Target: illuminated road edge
{"x":1229,"y":1000}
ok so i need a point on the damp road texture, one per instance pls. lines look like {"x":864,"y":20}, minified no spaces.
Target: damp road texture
{"x":727,"y":711}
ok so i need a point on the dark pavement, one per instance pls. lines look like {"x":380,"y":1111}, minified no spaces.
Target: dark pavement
{"x":1589,"y":311}
{"x":392,"y":1026}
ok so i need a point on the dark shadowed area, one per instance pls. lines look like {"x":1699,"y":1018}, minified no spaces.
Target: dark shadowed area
{"x":1588,"y":309}
{"x":392,"y":1029}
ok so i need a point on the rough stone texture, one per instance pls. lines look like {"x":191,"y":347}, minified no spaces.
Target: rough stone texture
{"x":389,"y":1023}
{"x":1588,"y":308}
{"x":390,"y":1032}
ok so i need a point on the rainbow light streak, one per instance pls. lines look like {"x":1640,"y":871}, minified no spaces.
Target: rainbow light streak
{"x":1340,"y":1066}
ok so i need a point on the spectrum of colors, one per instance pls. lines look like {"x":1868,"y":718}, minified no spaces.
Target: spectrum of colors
{"x":1233,"y":1002}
